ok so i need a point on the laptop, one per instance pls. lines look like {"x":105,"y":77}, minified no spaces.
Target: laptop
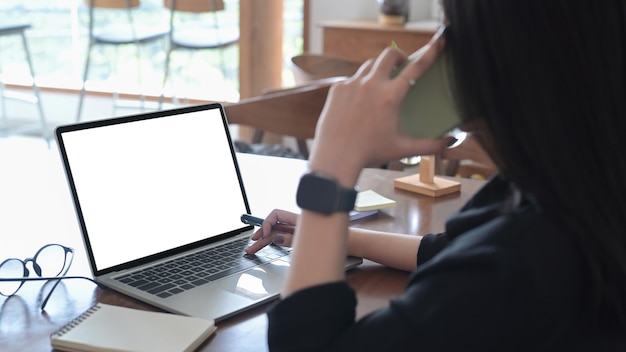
{"x":158,"y":197}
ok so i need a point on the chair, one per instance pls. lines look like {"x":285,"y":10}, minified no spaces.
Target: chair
{"x":290,"y":112}
{"x":195,"y":25}
{"x":321,"y":70}
{"x":308,"y":67}
{"x":117,"y":35}
{"x":468,"y":160}
{"x":19,"y":29}
{"x":294,"y":112}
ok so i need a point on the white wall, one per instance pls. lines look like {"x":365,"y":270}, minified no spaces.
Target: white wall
{"x":330,"y":10}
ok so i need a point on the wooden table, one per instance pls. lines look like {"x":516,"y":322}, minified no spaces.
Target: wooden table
{"x":270,"y":183}
{"x":360,"y":40}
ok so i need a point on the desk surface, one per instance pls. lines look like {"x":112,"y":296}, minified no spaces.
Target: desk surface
{"x":37,"y":209}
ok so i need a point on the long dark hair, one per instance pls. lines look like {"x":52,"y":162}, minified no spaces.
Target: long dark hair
{"x":547,"y":78}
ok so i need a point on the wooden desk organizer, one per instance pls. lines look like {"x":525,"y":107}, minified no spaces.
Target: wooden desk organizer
{"x":425,"y":181}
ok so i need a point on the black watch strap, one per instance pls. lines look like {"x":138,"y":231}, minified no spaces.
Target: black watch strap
{"x":323,"y":194}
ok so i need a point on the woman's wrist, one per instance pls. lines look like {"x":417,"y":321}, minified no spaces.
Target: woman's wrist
{"x":343,"y":169}
{"x":394,"y":250}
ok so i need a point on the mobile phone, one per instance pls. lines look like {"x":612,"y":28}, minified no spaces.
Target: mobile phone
{"x":428,"y":110}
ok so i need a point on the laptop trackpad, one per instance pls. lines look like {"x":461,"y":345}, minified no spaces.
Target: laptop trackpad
{"x":218,"y":303}
{"x":236,"y":292}
{"x":260,"y":282}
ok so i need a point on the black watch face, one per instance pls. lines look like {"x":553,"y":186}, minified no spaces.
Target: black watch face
{"x":317,"y":194}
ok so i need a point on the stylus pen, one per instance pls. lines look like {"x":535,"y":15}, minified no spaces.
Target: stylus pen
{"x":255,"y":221}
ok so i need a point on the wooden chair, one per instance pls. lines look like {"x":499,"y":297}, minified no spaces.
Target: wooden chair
{"x":290,"y":112}
{"x":467,"y":160}
{"x":310,"y":67}
{"x":312,"y":71}
{"x":294,"y":112}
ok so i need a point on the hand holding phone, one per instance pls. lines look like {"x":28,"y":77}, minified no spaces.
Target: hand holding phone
{"x":428,"y":110}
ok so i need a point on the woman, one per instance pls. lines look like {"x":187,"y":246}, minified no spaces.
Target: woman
{"x":537,"y":259}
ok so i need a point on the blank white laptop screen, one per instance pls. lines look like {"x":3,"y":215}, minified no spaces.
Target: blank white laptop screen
{"x":152,"y":185}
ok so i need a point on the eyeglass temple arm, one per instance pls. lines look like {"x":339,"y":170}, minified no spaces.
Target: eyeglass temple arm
{"x":57,"y":278}
{"x":67,"y":250}
{"x":12,"y":279}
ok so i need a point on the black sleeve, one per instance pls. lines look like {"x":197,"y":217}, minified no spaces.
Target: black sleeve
{"x":506,"y":284}
{"x":322,"y":318}
{"x":430,"y":245}
{"x":467,"y":297}
{"x":302,"y":319}
{"x":443,"y":299}
{"x":287,"y":328}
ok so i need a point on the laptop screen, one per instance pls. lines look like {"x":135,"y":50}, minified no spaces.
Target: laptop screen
{"x":153,"y":183}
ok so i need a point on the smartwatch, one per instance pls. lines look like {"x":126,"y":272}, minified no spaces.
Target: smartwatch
{"x":323,"y":194}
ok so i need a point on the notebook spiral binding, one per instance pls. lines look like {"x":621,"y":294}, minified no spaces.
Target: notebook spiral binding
{"x":76,"y":321}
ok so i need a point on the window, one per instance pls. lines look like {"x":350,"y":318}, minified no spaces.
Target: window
{"x":58,"y":45}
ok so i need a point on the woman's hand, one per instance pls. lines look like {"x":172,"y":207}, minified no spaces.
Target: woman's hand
{"x":277,"y":228}
{"x":359,"y":125}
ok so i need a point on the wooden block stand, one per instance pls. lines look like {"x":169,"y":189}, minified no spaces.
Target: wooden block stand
{"x":425,"y":181}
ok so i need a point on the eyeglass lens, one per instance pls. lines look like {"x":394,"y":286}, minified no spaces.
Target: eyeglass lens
{"x":8,"y":269}
{"x":49,"y":261}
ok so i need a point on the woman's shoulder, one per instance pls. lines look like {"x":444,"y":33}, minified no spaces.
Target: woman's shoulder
{"x":518,"y":267}
{"x":512,"y":232}
{"x":505,"y":219}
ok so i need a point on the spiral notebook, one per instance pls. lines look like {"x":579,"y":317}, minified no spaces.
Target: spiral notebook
{"x":112,"y":328}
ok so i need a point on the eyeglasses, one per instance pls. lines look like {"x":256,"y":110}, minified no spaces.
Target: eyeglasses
{"x":51,"y":262}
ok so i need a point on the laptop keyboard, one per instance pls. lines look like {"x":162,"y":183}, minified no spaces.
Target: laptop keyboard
{"x":184,"y":273}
